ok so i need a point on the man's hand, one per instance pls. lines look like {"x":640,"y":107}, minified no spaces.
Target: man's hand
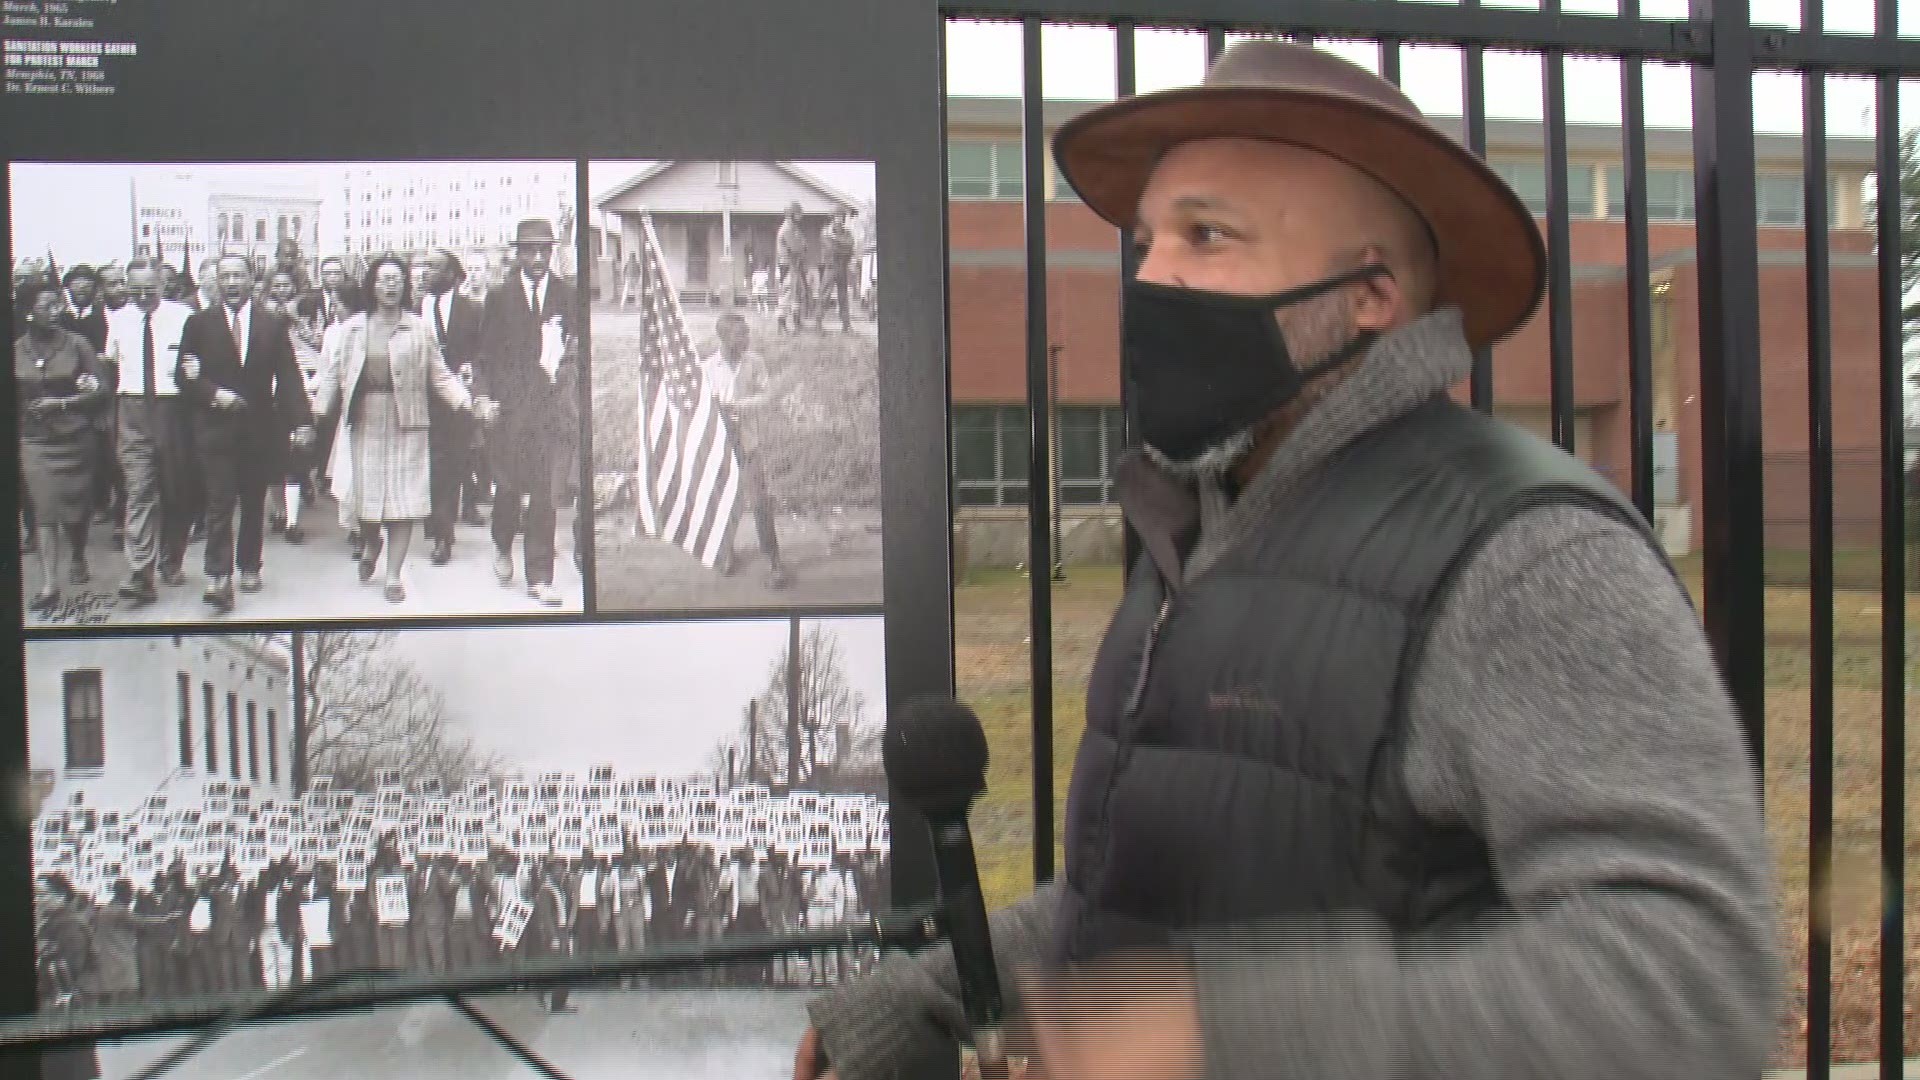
{"x":301,"y":437}
{"x":1125,"y":1019}
{"x":226,"y":399}
{"x":810,"y":1061}
{"x":190,"y":367}
{"x":86,"y":383}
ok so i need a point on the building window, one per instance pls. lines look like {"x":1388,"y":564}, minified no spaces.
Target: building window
{"x":1780,"y":199}
{"x":990,"y":455}
{"x":1669,"y":194}
{"x":233,"y":735}
{"x":223,"y":236}
{"x":260,"y":229}
{"x":1090,"y":443}
{"x":273,"y":747}
{"x":186,"y":720}
{"x":212,"y":738}
{"x":253,"y":742}
{"x":1063,"y":191}
{"x":86,"y":721}
{"x":296,"y":227}
{"x":281,"y":228}
{"x":979,"y":170}
{"x":1528,"y":179}
{"x":729,"y":173}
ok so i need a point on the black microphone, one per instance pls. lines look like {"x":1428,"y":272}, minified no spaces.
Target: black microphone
{"x":936,"y":759}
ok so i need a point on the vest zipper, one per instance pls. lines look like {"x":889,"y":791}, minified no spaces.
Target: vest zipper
{"x":1146,"y":656}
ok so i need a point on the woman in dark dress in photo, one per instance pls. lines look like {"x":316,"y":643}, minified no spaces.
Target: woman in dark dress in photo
{"x":59,"y":383}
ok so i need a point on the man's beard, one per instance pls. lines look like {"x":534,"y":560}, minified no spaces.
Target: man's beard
{"x":1313,"y":330}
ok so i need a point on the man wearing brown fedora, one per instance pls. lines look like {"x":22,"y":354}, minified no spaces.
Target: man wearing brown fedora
{"x":1405,"y":753}
{"x":533,"y":443}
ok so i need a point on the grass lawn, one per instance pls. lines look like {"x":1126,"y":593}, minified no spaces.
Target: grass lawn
{"x":992,"y":657}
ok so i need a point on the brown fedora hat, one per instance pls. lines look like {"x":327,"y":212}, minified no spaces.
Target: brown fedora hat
{"x":1492,"y":261}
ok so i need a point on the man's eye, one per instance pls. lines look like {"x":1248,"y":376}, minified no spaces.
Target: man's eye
{"x":1201,"y":234}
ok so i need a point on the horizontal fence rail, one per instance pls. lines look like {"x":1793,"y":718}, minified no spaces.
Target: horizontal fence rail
{"x":1724,"y":48}
{"x":1683,"y":42}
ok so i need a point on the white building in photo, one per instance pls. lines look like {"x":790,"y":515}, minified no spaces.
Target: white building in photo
{"x":251,"y":219}
{"x":112,"y":722}
{"x":470,"y":207}
{"x":185,"y":214}
{"x":717,"y":221}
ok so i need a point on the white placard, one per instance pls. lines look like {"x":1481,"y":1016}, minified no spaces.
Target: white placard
{"x":390,"y":899}
{"x":514,"y":913}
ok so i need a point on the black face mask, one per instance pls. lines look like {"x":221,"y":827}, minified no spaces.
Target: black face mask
{"x":1201,"y":367}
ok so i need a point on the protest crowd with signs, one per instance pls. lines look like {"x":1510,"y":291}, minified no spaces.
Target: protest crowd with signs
{"x":203,"y":890}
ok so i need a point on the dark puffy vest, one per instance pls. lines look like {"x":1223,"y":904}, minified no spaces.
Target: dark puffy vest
{"x":1242,"y":753}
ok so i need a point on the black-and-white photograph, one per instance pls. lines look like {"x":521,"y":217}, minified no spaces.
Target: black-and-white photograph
{"x":222,"y":814}
{"x":736,"y":417}
{"x":297,"y":391}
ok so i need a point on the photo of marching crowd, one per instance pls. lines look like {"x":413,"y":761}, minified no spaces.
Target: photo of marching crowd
{"x":282,"y":365}
{"x":736,"y":410}
{"x":188,"y":842}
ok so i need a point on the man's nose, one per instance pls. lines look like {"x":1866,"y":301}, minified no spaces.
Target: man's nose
{"x":1156,"y":267}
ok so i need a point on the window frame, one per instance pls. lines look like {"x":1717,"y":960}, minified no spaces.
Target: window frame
{"x":84,"y":730}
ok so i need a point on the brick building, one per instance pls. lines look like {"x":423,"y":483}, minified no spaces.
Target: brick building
{"x":988,"y":276}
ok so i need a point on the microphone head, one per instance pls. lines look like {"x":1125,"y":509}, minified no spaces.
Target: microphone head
{"x":936,"y":754}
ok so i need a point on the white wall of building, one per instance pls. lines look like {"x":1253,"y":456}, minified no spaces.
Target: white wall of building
{"x":140,"y":680}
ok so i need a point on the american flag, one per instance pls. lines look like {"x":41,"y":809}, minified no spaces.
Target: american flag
{"x":689,"y":462}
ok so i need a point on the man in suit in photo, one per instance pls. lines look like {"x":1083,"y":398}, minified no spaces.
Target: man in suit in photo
{"x":247,"y":400}
{"x":532,"y":444}
{"x":338,"y":297}
{"x":455,"y":321}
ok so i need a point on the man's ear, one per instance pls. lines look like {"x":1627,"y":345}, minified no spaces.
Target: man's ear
{"x":1380,"y":302}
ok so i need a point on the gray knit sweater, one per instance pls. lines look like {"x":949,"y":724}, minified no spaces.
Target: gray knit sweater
{"x":1569,"y":710}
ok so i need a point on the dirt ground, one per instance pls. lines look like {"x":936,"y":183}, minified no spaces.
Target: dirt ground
{"x":993,"y":662}
{"x":819,"y":454}
{"x":832,"y":560}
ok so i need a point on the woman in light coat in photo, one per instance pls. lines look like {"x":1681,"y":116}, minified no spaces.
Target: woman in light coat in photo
{"x":386,"y":366}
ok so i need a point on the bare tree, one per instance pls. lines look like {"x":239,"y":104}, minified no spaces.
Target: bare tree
{"x":836,"y":750}
{"x":368,"y":710}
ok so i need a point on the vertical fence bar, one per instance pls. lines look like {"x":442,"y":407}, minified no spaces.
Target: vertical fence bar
{"x":1893,"y":565}
{"x":1820,"y":558}
{"x":954,"y":570}
{"x":1474,"y":73}
{"x":1390,"y":59}
{"x":1216,"y":43}
{"x":1125,"y":83}
{"x":1033,"y":134}
{"x":1730,"y":448}
{"x":1633,"y":174}
{"x":1559,"y":246}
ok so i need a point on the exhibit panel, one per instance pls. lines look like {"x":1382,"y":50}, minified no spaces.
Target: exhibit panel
{"x":475,"y":506}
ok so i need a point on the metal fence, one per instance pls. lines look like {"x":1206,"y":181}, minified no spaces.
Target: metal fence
{"x":1724,"y":48}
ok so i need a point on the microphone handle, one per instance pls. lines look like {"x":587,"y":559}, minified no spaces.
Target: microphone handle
{"x":964,"y":913}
